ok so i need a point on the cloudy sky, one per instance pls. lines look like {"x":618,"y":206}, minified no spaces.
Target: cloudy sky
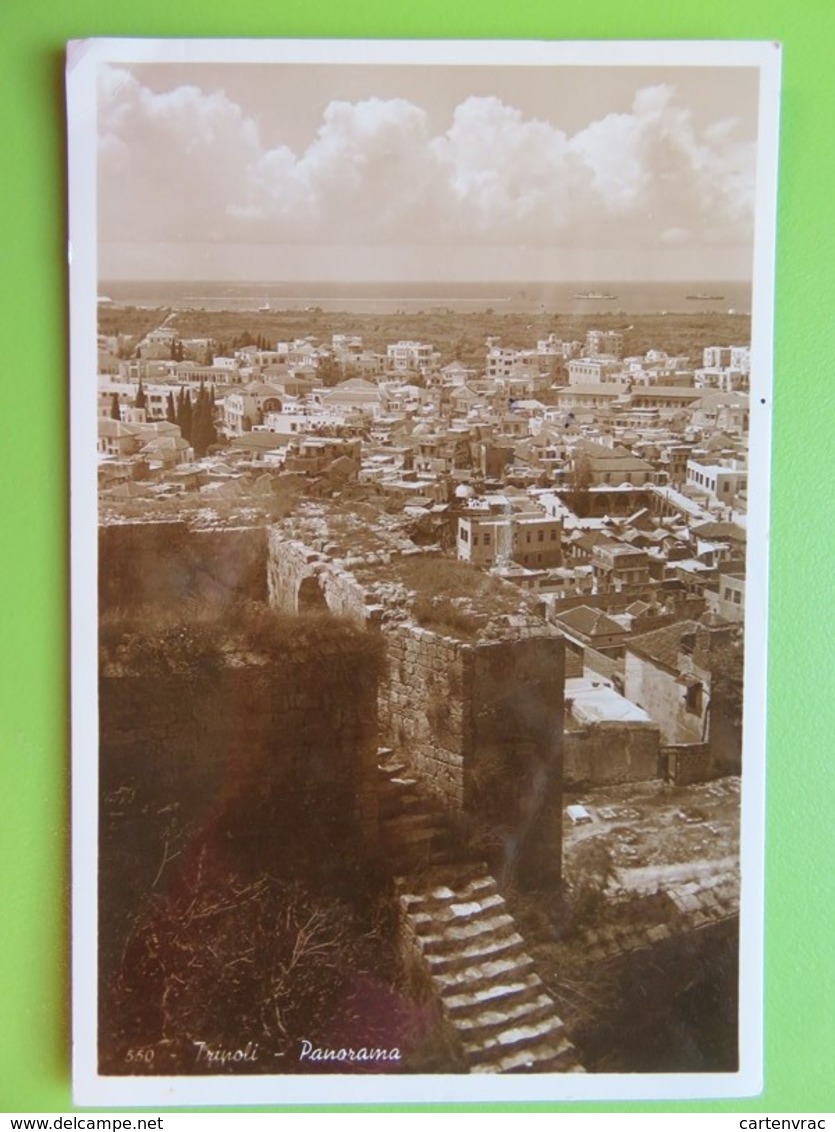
{"x":346,"y":172}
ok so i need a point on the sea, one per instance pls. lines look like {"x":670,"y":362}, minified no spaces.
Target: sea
{"x":410,"y":298}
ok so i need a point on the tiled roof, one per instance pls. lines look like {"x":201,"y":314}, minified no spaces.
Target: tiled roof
{"x":663,"y":645}
{"x":590,"y":622}
{"x":107,"y":426}
{"x":637,"y":608}
{"x":719,"y":531}
{"x":589,"y":539}
{"x":262,"y":389}
{"x":709,"y":400}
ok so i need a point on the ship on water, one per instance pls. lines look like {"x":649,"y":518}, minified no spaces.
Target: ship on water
{"x":604,"y":296}
{"x":704,"y":297}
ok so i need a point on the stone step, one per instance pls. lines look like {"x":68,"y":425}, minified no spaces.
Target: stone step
{"x":484,"y":947}
{"x":450,"y":936}
{"x":413,"y":819}
{"x":442,"y":894}
{"x":389,"y":788}
{"x":403,"y":781}
{"x":418,"y":839}
{"x":416,"y":859}
{"x":475,"y":975}
{"x":390,"y":765}
{"x":389,"y":809}
{"x":499,"y":996}
{"x":396,"y":783}
{"x":475,"y":1028}
{"x":517,"y":1036}
{"x":545,"y":1057}
{"x":463,"y":911}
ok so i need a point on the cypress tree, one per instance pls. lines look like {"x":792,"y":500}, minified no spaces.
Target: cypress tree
{"x":211,"y":431}
{"x":197,"y":422}
{"x":115,"y":411}
{"x":203,"y":428}
{"x":187,"y":421}
{"x":171,"y":413}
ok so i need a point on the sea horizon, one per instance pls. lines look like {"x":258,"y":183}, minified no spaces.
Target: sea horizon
{"x":571,"y":297}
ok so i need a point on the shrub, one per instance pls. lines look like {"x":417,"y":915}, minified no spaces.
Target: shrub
{"x":198,"y":639}
{"x":443,"y":616}
{"x":227,"y":959}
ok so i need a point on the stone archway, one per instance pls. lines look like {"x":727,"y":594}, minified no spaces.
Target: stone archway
{"x":310,"y":597}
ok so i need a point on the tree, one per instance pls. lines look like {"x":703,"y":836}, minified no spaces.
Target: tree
{"x":115,"y":409}
{"x":580,"y":480}
{"x":726,"y":680}
{"x":171,"y":412}
{"x":330,"y":371}
{"x":184,"y":413}
{"x":203,"y":433}
{"x":186,"y":419}
{"x":141,"y":400}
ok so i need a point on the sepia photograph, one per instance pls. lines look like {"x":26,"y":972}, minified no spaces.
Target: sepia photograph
{"x":421,"y":410}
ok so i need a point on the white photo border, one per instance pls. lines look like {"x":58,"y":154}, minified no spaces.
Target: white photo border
{"x":91,"y":1088}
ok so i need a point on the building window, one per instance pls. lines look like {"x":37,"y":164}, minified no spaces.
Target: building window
{"x":693,"y":698}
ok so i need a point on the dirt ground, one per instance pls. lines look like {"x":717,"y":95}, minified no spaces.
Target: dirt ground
{"x":659,"y":832}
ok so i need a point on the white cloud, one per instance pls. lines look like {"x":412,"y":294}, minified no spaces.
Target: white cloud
{"x":169,"y":164}
{"x":188,"y":165}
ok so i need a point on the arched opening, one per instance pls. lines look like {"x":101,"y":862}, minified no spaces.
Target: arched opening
{"x":310,"y":598}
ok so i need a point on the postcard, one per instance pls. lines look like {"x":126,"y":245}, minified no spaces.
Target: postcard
{"x":421,"y":402}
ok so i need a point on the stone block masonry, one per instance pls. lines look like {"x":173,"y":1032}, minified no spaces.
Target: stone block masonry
{"x":481,"y":724}
{"x":423,"y":712}
{"x":302,"y":580}
{"x":607,"y":753}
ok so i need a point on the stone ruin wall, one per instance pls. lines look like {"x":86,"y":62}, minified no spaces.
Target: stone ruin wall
{"x":166,"y":563}
{"x":205,"y":742}
{"x":481,"y":724}
{"x":424,"y":713}
{"x":470,"y":718}
{"x":300,"y":579}
{"x":609,"y":753}
{"x":514,"y":776}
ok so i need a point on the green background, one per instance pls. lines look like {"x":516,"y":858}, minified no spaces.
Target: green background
{"x":34,"y":689}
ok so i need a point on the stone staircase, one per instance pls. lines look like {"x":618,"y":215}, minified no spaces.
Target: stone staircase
{"x":413,"y":831}
{"x":457,"y":923}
